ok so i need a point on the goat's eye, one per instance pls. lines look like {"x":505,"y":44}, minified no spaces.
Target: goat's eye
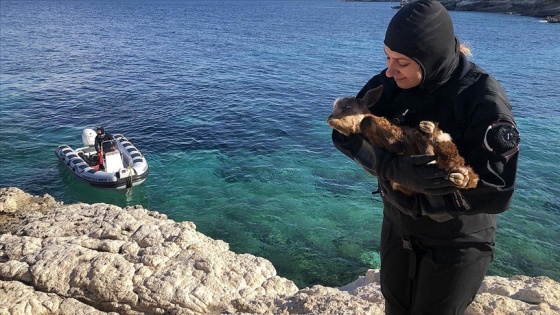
{"x":348,"y":107}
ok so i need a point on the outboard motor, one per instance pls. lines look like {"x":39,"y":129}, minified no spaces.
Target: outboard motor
{"x":88,"y":137}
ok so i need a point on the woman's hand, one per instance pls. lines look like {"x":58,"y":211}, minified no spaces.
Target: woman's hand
{"x":417,"y":173}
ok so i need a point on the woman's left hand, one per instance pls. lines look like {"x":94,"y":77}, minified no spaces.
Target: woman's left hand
{"x":417,"y":173}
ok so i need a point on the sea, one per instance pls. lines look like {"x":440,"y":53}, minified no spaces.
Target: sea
{"x":228,"y":101}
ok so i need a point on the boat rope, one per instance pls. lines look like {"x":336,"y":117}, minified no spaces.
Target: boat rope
{"x":129,"y":181}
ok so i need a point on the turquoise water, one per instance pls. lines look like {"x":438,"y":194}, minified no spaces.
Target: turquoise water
{"x":228,"y":101}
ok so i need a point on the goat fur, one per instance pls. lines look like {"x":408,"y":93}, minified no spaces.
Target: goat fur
{"x":351,"y":115}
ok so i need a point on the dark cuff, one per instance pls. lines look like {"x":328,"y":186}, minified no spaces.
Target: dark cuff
{"x":383,"y":161}
{"x":349,"y":145}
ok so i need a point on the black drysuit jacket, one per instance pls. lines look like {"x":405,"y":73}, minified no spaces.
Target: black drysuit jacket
{"x":467,"y":106}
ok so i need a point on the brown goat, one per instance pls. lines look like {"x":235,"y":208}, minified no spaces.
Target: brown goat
{"x":351,"y":115}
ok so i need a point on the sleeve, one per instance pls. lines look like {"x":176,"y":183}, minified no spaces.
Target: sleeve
{"x":352,"y":145}
{"x":416,"y":206}
{"x":489,"y":144}
{"x":492,"y":142}
{"x":493,"y":194}
{"x":362,"y":152}
{"x":369,"y":158}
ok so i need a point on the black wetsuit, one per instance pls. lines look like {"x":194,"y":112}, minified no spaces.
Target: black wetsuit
{"x":99,"y":139}
{"x":436,"y":247}
{"x":451,"y":237}
{"x":101,"y":142}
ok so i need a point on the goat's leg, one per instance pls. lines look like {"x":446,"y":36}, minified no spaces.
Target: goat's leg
{"x":448,"y":158}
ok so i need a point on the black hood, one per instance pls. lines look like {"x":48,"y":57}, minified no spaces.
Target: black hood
{"x":423,"y":31}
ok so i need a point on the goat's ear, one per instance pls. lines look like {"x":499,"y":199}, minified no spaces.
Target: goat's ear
{"x":373,"y":95}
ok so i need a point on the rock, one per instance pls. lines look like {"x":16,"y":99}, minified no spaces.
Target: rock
{"x":537,"y":8}
{"x":18,"y":298}
{"x":102,"y":259}
{"x":366,"y":287}
{"x":12,"y":200}
{"x":553,"y":19}
{"x":127,"y":261}
{"x":517,"y":295}
{"x":324,"y":300}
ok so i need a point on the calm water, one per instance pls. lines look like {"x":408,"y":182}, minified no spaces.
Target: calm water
{"x":228,"y":101}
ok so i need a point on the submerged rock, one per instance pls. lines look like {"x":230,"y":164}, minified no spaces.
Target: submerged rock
{"x":103,"y":259}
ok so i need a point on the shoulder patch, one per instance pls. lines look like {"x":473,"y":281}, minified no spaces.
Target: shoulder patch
{"x":502,"y":138}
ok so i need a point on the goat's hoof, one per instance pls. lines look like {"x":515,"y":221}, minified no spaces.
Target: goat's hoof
{"x":427,"y":126}
{"x":459,"y":177}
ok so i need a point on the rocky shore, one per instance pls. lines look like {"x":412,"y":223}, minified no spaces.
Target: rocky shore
{"x":536,"y":8}
{"x":549,"y":9}
{"x":103,"y":259}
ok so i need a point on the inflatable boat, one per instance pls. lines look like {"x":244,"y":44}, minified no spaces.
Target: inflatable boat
{"x":118,"y":165}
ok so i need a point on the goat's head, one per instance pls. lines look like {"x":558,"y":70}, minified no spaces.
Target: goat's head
{"x":348,"y":112}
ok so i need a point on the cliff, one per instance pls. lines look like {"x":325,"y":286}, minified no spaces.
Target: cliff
{"x":103,"y":259}
{"x":536,"y":8}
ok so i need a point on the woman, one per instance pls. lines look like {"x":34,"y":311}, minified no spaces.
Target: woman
{"x":436,"y":246}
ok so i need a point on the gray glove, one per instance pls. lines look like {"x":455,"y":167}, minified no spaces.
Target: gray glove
{"x":410,"y":171}
{"x":349,"y":145}
{"x":415,"y":173}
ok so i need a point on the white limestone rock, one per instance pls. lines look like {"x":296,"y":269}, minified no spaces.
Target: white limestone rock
{"x":331,"y":301}
{"x":517,"y":295}
{"x":125,"y":260}
{"x":102,"y":259}
{"x":18,"y":298}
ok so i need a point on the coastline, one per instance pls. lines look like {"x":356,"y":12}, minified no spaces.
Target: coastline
{"x":103,"y":259}
{"x":548,"y":9}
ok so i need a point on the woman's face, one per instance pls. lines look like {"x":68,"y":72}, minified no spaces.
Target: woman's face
{"x":405,"y":71}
